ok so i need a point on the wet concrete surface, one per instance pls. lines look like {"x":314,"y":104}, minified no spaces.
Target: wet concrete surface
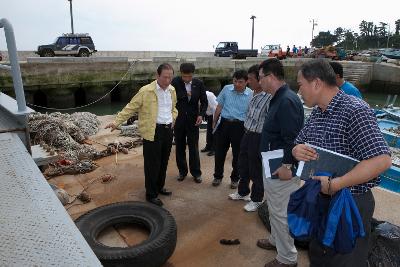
{"x":203,"y":213}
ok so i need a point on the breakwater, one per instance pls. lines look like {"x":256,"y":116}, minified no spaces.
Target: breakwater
{"x":69,"y":81}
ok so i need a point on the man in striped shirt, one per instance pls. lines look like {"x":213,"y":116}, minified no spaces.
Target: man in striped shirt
{"x":233,"y":102}
{"x":250,"y":166}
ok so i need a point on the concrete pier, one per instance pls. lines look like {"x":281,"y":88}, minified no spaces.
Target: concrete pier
{"x":70,"y":81}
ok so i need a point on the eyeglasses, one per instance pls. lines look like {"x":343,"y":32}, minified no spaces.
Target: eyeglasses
{"x":263,"y":76}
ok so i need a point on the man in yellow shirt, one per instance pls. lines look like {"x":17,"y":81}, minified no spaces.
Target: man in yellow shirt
{"x":155,"y":104}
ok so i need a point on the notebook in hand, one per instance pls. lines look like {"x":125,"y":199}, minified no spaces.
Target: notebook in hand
{"x":274,"y":164}
{"x":271,"y":161}
{"x":327,"y":161}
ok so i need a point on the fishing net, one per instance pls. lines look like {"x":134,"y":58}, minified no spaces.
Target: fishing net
{"x":65,"y":133}
{"x":68,"y":134}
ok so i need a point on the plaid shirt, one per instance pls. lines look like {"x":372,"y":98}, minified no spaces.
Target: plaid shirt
{"x":348,"y":126}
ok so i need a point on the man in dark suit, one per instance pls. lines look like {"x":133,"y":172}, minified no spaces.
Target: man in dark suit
{"x":189,"y":91}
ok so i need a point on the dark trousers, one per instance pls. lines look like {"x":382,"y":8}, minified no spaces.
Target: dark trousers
{"x":229,"y":133}
{"x":210,"y":137}
{"x":187,"y":134}
{"x":250,"y":167}
{"x":156,"y":155}
{"x":322,"y":256}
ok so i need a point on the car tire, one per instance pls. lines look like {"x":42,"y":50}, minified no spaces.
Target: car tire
{"x":152,"y":252}
{"x":47,"y":53}
{"x":83,"y":53}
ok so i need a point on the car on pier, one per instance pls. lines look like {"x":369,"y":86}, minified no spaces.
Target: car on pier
{"x":79,"y":45}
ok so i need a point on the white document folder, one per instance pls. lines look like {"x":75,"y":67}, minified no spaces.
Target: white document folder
{"x":271,"y":157}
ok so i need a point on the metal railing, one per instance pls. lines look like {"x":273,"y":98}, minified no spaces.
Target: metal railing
{"x":14,"y":114}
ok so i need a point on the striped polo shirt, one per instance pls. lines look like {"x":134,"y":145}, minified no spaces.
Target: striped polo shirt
{"x":258,"y":108}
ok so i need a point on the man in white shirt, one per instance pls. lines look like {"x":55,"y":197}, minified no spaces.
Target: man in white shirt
{"x":212,"y":105}
{"x":155,"y":105}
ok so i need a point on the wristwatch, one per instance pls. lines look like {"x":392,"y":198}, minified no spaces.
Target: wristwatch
{"x":288,"y":166}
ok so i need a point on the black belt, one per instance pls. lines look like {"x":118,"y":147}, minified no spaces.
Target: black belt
{"x":231,"y":120}
{"x":250,"y":132}
{"x":168,"y":126}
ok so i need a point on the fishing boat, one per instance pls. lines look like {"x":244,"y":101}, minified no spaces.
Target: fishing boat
{"x":391,"y":53}
{"x":393,"y":112}
{"x":380,"y":113}
{"x":391,"y":131}
{"x":390,"y":179}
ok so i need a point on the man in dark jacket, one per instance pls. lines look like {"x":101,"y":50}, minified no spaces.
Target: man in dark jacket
{"x":189,"y":92}
{"x":282,"y":124}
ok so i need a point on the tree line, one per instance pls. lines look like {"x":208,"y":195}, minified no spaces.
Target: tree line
{"x":370,"y":35}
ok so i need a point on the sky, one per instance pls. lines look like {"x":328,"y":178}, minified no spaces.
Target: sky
{"x":151,"y":25}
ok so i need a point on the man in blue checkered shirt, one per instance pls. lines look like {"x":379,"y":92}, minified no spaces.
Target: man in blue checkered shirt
{"x":346,"y":125}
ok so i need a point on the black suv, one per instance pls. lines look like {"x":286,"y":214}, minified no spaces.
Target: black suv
{"x":80,"y":45}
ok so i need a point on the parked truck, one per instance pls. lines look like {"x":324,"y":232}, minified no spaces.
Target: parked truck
{"x":231,"y":49}
{"x":273,"y":50}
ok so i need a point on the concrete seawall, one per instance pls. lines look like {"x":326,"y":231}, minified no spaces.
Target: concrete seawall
{"x":386,"y":77}
{"x":68,"y":81}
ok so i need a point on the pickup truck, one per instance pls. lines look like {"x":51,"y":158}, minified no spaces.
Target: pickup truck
{"x":231,"y":49}
{"x":273,"y":51}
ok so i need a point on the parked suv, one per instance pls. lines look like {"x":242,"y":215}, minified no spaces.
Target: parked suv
{"x":80,"y":45}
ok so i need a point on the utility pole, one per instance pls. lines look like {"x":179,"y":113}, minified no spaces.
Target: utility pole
{"x":252,"y":31}
{"x":72,"y":19}
{"x":388,"y":33}
{"x":314,"y":23}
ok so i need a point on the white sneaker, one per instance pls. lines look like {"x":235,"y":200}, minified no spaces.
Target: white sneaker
{"x":236,"y":196}
{"x":252,"y":206}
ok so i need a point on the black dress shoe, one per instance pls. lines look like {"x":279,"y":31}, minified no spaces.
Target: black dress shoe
{"x":155,"y":201}
{"x":216,"y":182}
{"x":165,"y":192}
{"x":211,"y":153}
{"x":206,"y":149}
{"x":181,"y":177}
{"x":198,"y":179}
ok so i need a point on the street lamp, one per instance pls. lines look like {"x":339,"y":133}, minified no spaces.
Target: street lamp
{"x":72,"y":19}
{"x":314,"y":23}
{"x":252,"y":31}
